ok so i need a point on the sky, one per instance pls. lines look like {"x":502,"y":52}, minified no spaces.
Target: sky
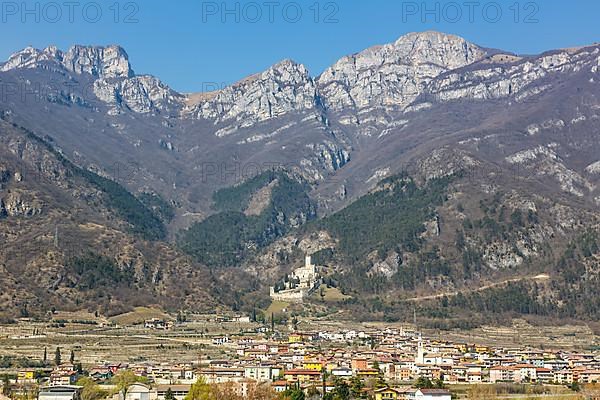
{"x":197,"y":45}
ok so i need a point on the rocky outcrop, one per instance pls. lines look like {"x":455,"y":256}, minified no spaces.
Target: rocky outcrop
{"x":284,"y":87}
{"x":18,"y":204}
{"x":140,"y":94}
{"x":394,"y":74}
{"x":493,"y":80}
{"x":543,"y":161}
{"x":593,"y":168}
{"x":36,"y":162}
{"x":439,"y":66}
{"x":102,"y":62}
{"x":387,"y":267}
{"x":115,"y":81}
{"x":323,"y":158}
{"x":33,"y":58}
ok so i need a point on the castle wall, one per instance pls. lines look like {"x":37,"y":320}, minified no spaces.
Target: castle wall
{"x":309,"y":282}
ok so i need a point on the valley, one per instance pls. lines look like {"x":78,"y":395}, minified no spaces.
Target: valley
{"x":428,"y":176}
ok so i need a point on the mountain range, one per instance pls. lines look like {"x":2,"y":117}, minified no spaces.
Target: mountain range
{"x":423,"y":167}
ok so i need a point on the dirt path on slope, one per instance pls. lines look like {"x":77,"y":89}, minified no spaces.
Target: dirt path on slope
{"x":540,"y":277}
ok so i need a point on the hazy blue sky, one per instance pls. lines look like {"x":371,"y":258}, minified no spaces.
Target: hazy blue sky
{"x":193,"y":45}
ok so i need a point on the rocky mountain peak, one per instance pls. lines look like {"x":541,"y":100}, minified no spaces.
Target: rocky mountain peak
{"x":31,"y":57}
{"x":287,"y":71}
{"x":99,"y":61}
{"x":284,"y":87}
{"x":104,"y":62}
{"x":115,"y":82}
{"x":448,"y":51}
{"x":394,"y":74}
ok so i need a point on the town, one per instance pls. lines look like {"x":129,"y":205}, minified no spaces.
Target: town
{"x":389,"y":363}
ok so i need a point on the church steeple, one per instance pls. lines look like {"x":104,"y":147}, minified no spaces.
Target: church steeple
{"x":420,"y":359}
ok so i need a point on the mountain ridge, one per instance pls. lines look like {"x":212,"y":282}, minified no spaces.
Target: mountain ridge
{"x":518,"y":133}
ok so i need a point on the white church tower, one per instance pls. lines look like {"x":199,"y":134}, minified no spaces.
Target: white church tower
{"x":420,"y":359}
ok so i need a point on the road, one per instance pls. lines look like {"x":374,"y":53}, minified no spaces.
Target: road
{"x":541,"y":277}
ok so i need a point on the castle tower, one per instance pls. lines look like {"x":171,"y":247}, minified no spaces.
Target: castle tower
{"x":307,"y":261}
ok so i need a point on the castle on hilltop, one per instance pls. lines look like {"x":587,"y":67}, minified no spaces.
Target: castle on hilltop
{"x":302,"y":283}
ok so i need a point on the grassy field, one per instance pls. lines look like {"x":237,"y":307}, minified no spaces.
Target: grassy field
{"x":520,"y":331}
{"x":514,"y":391}
{"x":98,"y":343}
{"x":138,"y":316}
{"x":331,"y":294}
{"x":276,"y":308}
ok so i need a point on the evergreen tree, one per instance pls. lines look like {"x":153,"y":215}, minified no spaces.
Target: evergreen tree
{"x":6,"y":385}
{"x":169,"y":395}
{"x":341,"y":390}
{"x":272,"y":322}
{"x":57,"y":357}
{"x":72,"y":357}
{"x":294,"y":394}
{"x":356,"y":387}
{"x":424,"y":383}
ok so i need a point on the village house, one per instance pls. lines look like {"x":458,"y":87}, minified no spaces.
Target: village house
{"x":525,"y":373}
{"x":157,"y":323}
{"x":100,"y":373}
{"x":221,"y":375}
{"x":137,"y":391}
{"x":564,"y":376}
{"x":260,"y":372}
{"x":312,"y":364}
{"x":388,"y":393}
{"x":429,"y":394}
{"x":63,"y":375}
{"x":502,"y":374}
{"x":219,"y":341}
{"x":280,"y":385}
{"x":179,"y":391}
{"x":302,"y":375}
{"x":341,"y":372}
{"x":589,"y":376}
{"x":66,"y":392}
{"x":544,"y":375}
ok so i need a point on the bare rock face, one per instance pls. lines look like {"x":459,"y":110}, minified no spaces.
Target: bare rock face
{"x":325,"y":157}
{"x":103,"y":62}
{"x":394,"y":74}
{"x":17,"y":204}
{"x":115,"y":81}
{"x":495,"y":79}
{"x":140,"y":94}
{"x":282,"y":88}
{"x":387,"y":267}
{"x":40,"y":164}
{"x":32,"y":58}
{"x":544,"y":161}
